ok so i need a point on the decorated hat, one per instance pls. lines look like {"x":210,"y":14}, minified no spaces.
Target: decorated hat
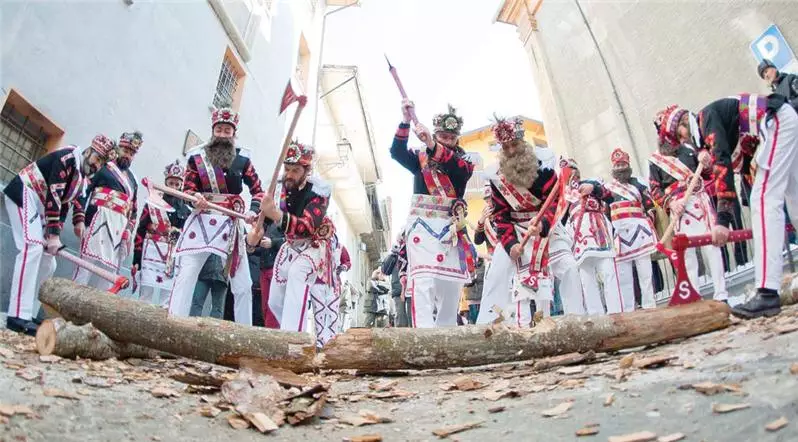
{"x":667,"y":124}
{"x":568,"y":162}
{"x":618,"y":156}
{"x":224,"y":115}
{"x":448,"y":122}
{"x":131,"y":140}
{"x":506,"y":131}
{"x":299,"y":153}
{"x":104,"y":146}
{"x":174,"y":170}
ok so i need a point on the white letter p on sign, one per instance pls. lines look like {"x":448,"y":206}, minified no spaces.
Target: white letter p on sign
{"x":768,"y":47}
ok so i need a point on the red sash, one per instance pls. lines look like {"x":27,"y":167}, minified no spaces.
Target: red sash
{"x":438,"y":183}
{"x":672,"y":166}
{"x":121,"y":177}
{"x":520,"y":199}
{"x":624,"y":190}
{"x":211,"y":177}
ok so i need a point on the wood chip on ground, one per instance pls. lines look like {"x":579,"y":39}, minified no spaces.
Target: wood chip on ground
{"x":558,"y":410}
{"x":654,"y":361}
{"x":55,"y":392}
{"x":727,"y":408}
{"x":453,"y":429}
{"x":609,"y":399}
{"x":642,"y":436}
{"x":588,"y":431}
{"x":261,"y":422}
{"x":364,"y":438}
{"x":671,"y":437}
{"x":237,"y":422}
{"x":777,"y":424}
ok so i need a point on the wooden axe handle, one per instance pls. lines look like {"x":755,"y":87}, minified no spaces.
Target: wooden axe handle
{"x":536,"y":220}
{"x":190,"y":198}
{"x":118,"y":280}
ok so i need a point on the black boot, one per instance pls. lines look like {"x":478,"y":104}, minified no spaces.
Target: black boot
{"x":764,"y":303}
{"x":21,"y":325}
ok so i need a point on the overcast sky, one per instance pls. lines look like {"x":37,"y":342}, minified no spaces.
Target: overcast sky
{"x":446,"y":51}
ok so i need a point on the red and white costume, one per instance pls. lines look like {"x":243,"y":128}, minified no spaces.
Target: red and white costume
{"x":594,"y":252}
{"x":156,"y":238}
{"x":302,"y":268}
{"x":207,"y":232}
{"x":37,"y":201}
{"x":632,"y":214}
{"x":108,"y":208}
{"x":441,"y":257}
{"x":325,"y":295}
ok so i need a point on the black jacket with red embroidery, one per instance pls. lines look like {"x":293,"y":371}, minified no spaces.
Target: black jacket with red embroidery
{"x":502,"y":210}
{"x":82,"y":211}
{"x":177,"y":218}
{"x":61,"y":172}
{"x":304,"y":209}
{"x":663,"y":186}
{"x":453,"y":163}
{"x":241,"y":172}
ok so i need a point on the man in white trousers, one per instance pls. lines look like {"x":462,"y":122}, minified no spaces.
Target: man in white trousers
{"x":108,"y":207}
{"x":771,"y":123}
{"x":440,"y":255}
{"x":216,"y":172}
{"x":670,"y":172}
{"x":518,"y":191}
{"x":302,"y":267}
{"x":632,"y":215}
{"x":37,"y":201}
{"x":562,"y":264}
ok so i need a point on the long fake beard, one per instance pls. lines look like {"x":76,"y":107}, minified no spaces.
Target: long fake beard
{"x":623,"y":175}
{"x":668,"y":149}
{"x":221,"y":152}
{"x":520,"y":168}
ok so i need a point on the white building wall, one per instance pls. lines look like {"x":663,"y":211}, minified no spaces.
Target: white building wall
{"x":103,"y":66}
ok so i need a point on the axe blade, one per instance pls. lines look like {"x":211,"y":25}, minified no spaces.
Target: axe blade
{"x":390,"y":66}
{"x":155,"y":197}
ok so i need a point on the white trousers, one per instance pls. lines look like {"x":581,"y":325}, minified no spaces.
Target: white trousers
{"x":325,"y":304}
{"x":776,"y":181}
{"x":497,"y":291}
{"x":712,"y":255}
{"x":626,"y":281}
{"x":148,"y":294}
{"x":589,"y":271}
{"x":289,"y":301}
{"x":186,"y":280}
{"x":430,"y":293}
{"x":566,"y":270}
{"x":32,"y":265}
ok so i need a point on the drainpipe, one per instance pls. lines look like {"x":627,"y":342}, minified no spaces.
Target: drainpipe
{"x":612,"y":84}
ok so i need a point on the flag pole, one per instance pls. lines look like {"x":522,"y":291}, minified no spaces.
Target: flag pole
{"x":256,"y":234}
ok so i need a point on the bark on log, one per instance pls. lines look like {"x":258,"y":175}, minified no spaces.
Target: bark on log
{"x":204,"y":339}
{"x":59,"y":337}
{"x":789,"y":289}
{"x":402,"y":348}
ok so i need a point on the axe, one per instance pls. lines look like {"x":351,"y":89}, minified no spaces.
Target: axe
{"x":402,"y":92}
{"x":155,"y":198}
{"x":119,"y":281}
{"x":674,"y":220}
{"x":683,"y":291}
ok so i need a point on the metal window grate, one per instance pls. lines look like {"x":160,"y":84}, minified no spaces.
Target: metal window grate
{"x":21,"y":142}
{"x":226,"y":86}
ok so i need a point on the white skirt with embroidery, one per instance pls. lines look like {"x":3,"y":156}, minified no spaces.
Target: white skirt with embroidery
{"x":103,"y":239}
{"x":293,"y":251}
{"x":209,"y":233}
{"x":634,"y":238}
{"x":431,"y":250}
{"x":154,"y":256}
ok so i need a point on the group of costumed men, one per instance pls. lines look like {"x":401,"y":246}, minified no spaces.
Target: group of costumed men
{"x":542,"y":223}
{"x":174,"y":240}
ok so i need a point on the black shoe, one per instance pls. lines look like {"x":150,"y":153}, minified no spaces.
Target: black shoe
{"x":762,"y":304}
{"x":21,"y":325}
{"x":37,"y":321}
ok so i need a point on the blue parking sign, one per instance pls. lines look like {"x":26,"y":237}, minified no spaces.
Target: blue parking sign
{"x":772,"y":45}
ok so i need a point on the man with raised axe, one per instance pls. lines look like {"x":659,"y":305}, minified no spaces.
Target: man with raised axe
{"x":671,"y":170}
{"x":441,"y":257}
{"x":156,"y":237}
{"x":216,"y":173}
{"x":37,"y":201}
{"x":518,"y":192}
{"x":562,"y":264}
{"x":768,"y":128}
{"x":305,"y":258}
{"x":108,"y":207}
{"x":632,"y":215}
{"x":594,"y":250}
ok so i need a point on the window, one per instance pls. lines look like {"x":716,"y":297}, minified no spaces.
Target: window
{"x":25,"y":135}
{"x":302,"y":70}
{"x":230,"y":83}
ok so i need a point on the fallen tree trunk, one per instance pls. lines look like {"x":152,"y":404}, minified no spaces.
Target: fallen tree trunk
{"x":402,"y":348}
{"x":789,"y":289}
{"x":204,"y":339}
{"x":377,"y":349}
{"x":59,"y":337}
